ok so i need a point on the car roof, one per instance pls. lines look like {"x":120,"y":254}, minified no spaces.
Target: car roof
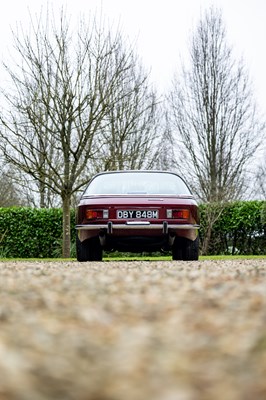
{"x":136,"y":171}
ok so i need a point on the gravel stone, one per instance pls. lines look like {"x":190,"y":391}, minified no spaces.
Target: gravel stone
{"x":134,"y":330}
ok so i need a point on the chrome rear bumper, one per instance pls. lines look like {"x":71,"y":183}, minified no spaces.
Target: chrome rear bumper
{"x":141,"y":225}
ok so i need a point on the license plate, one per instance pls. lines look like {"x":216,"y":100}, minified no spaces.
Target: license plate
{"x":137,"y":214}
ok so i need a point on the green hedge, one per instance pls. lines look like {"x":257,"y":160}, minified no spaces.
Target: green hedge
{"x":37,"y":233}
{"x":30,"y":232}
{"x":239,"y":229}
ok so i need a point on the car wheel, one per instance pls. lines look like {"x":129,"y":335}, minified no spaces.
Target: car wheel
{"x":177,"y":253}
{"x":89,"y":250}
{"x":185,"y":249}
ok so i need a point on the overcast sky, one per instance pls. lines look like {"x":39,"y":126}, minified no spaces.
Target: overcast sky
{"x":161,"y":30}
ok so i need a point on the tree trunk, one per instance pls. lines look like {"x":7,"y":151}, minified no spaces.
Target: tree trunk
{"x":207,"y":240}
{"x":66,"y":226}
{"x":42,"y":194}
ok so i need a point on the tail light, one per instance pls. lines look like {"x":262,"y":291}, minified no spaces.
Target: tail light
{"x":178,"y":214}
{"x":96,"y":214}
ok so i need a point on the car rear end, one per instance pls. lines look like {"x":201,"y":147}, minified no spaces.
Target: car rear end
{"x":138,"y":222}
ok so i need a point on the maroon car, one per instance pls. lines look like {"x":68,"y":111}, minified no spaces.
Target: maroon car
{"x":136,"y":211}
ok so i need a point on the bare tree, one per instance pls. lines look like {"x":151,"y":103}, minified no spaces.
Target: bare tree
{"x":214,"y":115}
{"x":10,"y":193}
{"x":61,"y":97}
{"x":130,"y":132}
{"x":165,"y":158}
{"x":261,"y":180}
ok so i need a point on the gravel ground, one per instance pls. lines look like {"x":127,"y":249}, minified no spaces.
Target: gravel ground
{"x":133,"y":330}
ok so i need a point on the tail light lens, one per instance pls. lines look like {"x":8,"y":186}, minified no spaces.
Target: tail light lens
{"x":96,"y":214}
{"x":178,"y":214}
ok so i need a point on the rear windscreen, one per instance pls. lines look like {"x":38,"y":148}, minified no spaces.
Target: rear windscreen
{"x":137,"y":184}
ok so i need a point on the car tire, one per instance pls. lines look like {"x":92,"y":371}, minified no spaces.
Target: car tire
{"x":177,"y":253}
{"x":185,"y":249}
{"x":89,"y":250}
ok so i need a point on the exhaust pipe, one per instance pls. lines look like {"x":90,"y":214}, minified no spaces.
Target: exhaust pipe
{"x":102,"y":238}
{"x":171,"y":239}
